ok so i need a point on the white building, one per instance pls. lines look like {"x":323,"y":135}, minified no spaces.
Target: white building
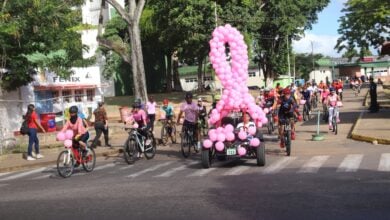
{"x":84,"y":88}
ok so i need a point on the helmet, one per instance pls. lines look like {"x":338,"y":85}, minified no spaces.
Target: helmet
{"x":101,"y":103}
{"x":136,"y":105}
{"x":200,"y":100}
{"x":166,"y":101}
{"x":267,"y":89}
{"x":188,"y":95}
{"x":73,"y":109}
{"x":286,"y":91}
{"x":332,"y":89}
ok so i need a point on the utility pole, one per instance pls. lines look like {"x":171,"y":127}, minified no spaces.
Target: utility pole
{"x":312,"y":58}
{"x":288,"y":57}
{"x":215,"y":14}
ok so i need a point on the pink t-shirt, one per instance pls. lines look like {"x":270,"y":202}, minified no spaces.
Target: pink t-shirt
{"x":190,"y":111}
{"x":151,"y":107}
{"x":139,"y":117}
{"x":78,"y":127}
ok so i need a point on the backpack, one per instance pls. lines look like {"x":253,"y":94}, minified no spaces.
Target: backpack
{"x":24,"y":128}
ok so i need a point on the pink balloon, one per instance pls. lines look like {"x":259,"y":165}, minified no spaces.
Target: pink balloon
{"x":135,"y":125}
{"x":252,"y":130}
{"x":221,"y":137}
{"x":61,"y":136}
{"x":259,"y":124}
{"x":241,"y":151}
{"x":219,"y":146}
{"x":242,"y":135}
{"x":266,"y":110}
{"x":302,"y":102}
{"x":213,"y":136}
{"x":68,"y":143}
{"x":207,"y":143}
{"x":229,"y":128}
{"x":339,"y":104}
{"x":68,"y":134}
{"x":220,"y":130}
{"x":230,"y":136}
{"x":255,"y":142}
{"x":265,"y":121}
{"x":212,"y":131}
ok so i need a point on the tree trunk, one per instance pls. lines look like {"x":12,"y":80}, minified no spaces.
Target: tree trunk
{"x":176,"y":76}
{"x":200,"y":74}
{"x":137,"y":63}
{"x":169,"y":69}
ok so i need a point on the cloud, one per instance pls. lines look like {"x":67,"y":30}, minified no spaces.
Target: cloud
{"x":323,"y":44}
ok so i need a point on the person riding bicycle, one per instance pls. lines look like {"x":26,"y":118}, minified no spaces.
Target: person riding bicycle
{"x":287,"y":109}
{"x":167,"y":110}
{"x":202,"y":111}
{"x":75,"y":123}
{"x":139,"y":117}
{"x":190,"y":110}
{"x":306,"y":95}
{"x":331,"y":102}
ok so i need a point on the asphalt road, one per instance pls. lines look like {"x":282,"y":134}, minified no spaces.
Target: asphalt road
{"x":333,"y":179}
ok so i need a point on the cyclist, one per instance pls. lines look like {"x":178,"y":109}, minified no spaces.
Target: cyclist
{"x":190,"y":110}
{"x":331,"y":102}
{"x":287,"y":109}
{"x":168,"y":110}
{"x":306,"y":95}
{"x":139,"y":116}
{"x":76,"y":124}
{"x":202,"y":111}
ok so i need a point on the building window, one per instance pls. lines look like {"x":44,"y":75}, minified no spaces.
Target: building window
{"x":190,"y":80}
{"x":207,"y":78}
{"x":78,"y":95}
{"x":252,"y":74}
{"x":90,"y":95}
{"x":66,"y":94}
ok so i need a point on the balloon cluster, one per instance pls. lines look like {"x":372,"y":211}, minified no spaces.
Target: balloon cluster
{"x":66,"y":137}
{"x":233,"y":76}
{"x":236,"y":96}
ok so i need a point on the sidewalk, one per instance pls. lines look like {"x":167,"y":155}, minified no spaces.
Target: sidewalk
{"x":371,"y":127}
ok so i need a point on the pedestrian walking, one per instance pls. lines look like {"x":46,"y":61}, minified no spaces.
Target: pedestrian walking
{"x":33,"y":125}
{"x":373,"y":95}
{"x":101,"y":125}
{"x":151,"y":109}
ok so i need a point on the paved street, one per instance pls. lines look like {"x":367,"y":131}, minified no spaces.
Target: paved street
{"x":337,"y":178}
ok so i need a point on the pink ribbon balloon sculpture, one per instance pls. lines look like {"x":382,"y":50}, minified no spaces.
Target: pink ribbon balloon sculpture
{"x":233,"y":77}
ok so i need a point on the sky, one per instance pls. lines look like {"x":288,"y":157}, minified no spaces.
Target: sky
{"x":324,"y":33}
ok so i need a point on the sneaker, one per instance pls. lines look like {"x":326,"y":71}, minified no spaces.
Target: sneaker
{"x":108,"y":145}
{"x":30,"y":158}
{"x":281,"y":145}
{"x":39,"y":156}
{"x":292,"y":135}
{"x":33,"y":154}
{"x":330,"y":127}
{"x":198,"y":146}
{"x":148,"y":142}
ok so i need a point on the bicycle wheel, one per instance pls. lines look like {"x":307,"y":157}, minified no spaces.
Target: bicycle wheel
{"x":164,"y":134}
{"x":185,"y":144}
{"x":65,"y":164}
{"x":269,"y":125}
{"x":89,"y":160}
{"x":288,"y":142}
{"x":334,"y":125}
{"x":260,"y":155}
{"x":130,"y":151}
{"x":173,"y":134}
{"x":305,"y":113}
{"x":150,"y":149}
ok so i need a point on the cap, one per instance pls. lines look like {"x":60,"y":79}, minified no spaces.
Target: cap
{"x":73,"y":109}
{"x":286,"y":91}
{"x":166,"y":101}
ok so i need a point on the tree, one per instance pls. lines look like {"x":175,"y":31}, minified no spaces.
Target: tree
{"x":131,"y":14}
{"x":282,"y":21}
{"x":38,"y":33}
{"x":304,"y":64}
{"x":365,"y":24}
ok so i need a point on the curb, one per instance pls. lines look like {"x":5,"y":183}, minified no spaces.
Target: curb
{"x":358,"y":137}
{"x":45,"y":163}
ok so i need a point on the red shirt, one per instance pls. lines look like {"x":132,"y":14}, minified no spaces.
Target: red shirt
{"x":31,"y":120}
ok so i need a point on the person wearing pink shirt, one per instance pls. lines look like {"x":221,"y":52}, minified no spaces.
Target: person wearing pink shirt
{"x":75,"y":124}
{"x":191,"y":113}
{"x":151,"y":108}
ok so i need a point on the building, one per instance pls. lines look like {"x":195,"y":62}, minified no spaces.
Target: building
{"x":51,"y":93}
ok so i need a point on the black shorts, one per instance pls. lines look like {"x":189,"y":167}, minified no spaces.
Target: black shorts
{"x":285,"y":117}
{"x":189,"y":125}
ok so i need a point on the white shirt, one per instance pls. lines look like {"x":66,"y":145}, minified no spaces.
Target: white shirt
{"x":151,"y":108}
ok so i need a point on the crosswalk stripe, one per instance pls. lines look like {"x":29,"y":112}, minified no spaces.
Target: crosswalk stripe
{"x":278,"y":165}
{"x":174,"y":170}
{"x":3,"y":174}
{"x":384,"y":163}
{"x":20,"y":175}
{"x":127,"y":167}
{"x":314,"y":164}
{"x":150,"y":169}
{"x":104,"y":166}
{"x":350,"y":163}
{"x":202,"y":172}
{"x":42,"y":177}
{"x":237,"y":170}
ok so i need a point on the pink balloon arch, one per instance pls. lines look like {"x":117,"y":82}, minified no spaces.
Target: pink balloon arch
{"x":233,"y":77}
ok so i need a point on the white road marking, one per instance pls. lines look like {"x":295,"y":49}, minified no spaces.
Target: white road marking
{"x":278,"y":165}
{"x":174,"y":170}
{"x":314,"y":164}
{"x":202,"y":172}
{"x":126,"y":167}
{"x":384,"y":163}
{"x":20,"y":175}
{"x":150,"y":169}
{"x":42,"y":177}
{"x":350,"y":163}
{"x":237,"y":170}
{"x":104,"y":166}
{"x":3,"y":174}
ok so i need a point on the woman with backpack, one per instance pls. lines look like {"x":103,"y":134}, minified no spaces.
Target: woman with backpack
{"x":32,"y":120}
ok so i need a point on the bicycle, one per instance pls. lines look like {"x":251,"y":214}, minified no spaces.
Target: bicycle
{"x":168,"y":130}
{"x":137,"y":144}
{"x":314,"y":101}
{"x":271,"y":123}
{"x":334,"y":120}
{"x":187,"y":140}
{"x":67,"y":159}
{"x":202,"y":127}
{"x":306,"y":112}
{"x":287,"y":135}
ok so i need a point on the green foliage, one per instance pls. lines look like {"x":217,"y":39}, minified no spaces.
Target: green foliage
{"x":366,"y":23}
{"x":36,"y":33}
{"x":304,"y":64}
